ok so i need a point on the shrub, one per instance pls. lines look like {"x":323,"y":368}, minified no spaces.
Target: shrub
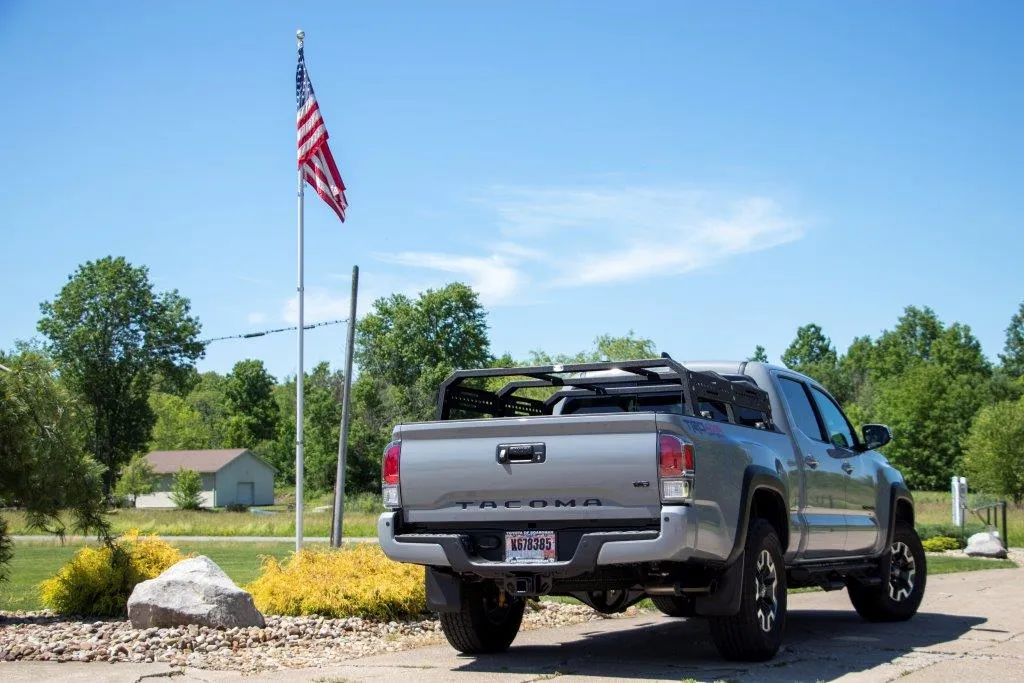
{"x":137,"y":478}
{"x":926,"y":531}
{"x":236,"y":507}
{"x":186,"y":489}
{"x":354,"y":581}
{"x":994,"y":458}
{"x":937,"y":544}
{"x":98,"y":581}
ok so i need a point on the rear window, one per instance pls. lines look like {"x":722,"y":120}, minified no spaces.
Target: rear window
{"x":624,"y":403}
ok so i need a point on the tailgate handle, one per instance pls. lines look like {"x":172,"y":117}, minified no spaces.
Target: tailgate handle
{"x":508,"y":453}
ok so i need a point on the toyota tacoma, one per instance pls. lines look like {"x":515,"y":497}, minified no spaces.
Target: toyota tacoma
{"x":710,"y":488}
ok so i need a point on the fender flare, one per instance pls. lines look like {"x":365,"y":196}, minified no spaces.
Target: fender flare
{"x":725,"y":601}
{"x":756,"y":478}
{"x":897,"y":492}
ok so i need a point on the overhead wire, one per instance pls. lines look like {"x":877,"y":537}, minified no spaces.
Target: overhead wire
{"x":263,"y":333}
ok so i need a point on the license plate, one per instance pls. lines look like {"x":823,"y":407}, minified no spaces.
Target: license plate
{"x":530,"y":546}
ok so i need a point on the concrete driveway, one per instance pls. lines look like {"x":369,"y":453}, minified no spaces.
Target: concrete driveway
{"x":971,"y":625}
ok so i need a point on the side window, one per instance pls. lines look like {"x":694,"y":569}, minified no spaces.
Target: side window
{"x":839,"y":432}
{"x":800,"y":407}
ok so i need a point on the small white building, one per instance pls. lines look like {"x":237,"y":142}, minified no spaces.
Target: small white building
{"x":229,"y":476}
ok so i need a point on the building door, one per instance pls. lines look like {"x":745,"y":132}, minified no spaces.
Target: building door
{"x":246,"y":493}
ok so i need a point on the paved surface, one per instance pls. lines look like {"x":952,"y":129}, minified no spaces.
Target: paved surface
{"x":204,"y":539}
{"x":971,"y":625}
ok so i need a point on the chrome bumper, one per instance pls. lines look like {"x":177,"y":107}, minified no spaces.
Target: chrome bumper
{"x":674,"y":542}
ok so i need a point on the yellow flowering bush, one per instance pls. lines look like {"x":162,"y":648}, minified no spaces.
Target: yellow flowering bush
{"x":97,"y":581}
{"x":347,"y":582}
{"x":937,"y":544}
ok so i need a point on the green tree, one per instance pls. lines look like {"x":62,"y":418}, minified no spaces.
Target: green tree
{"x":994,"y":456}
{"x":44,"y":467}
{"x":322,"y":420}
{"x":909,"y":342}
{"x":137,"y":479}
{"x":1012,"y":357}
{"x":760,"y":355}
{"x":405,"y":347}
{"x":812,"y":354}
{"x":178,"y":425}
{"x":187,"y":489}
{"x":929,"y":411}
{"x":209,"y":400}
{"x":855,"y":366}
{"x":113,"y":337}
{"x":811,"y":347}
{"x":959,"y":351}
{"x":606,"y":348}
{"x":402,"y":338}
{"x":253,"y":412}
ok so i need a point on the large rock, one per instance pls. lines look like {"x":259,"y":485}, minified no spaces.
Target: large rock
{"x":194,"y":591}
{"x":985,"y":544}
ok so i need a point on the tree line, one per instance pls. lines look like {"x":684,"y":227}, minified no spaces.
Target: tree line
{"x":115,"y":376}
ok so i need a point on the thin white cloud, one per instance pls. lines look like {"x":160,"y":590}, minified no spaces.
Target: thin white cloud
{"x":319,"y":304}
{"x":257,"y":318}
{"x":571,"y":237}
{"x":495,"y":278}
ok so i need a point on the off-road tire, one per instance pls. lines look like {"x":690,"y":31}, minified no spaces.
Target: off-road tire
{"x":486,"y":622}
{"x":904,"y":575}
{"x":673,"y":606}
{"x":754,"y":634}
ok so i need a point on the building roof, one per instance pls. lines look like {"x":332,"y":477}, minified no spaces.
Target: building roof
{"x":203,"y":461}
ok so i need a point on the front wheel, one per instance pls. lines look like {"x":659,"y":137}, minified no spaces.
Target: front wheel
{"x":754,"y":634}
{"x":487,"y":621}
{"x":904,"y":574}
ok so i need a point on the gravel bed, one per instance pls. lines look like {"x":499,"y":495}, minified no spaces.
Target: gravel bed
{"x":292,"y":642}
{"x":1015,"y":555}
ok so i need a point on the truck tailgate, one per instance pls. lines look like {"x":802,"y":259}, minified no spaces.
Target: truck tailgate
{"x":557,"y":468}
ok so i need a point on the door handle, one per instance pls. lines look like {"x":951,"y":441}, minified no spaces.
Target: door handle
{"x":811,"y":462}
{"x":848,"y":468}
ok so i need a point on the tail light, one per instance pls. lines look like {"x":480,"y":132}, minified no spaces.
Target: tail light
{"x":675,"y":469}
{"x":389,"y":469}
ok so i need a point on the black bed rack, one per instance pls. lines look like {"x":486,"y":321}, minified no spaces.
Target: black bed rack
{"x":643,"y":375}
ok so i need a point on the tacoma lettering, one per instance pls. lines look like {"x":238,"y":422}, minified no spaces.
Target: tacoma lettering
{"x":536,"y":503}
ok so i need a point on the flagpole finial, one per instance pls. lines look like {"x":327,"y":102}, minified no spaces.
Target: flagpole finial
{"x":300,"y":36}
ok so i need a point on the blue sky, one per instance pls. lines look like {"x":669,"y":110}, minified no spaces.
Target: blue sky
{"x":710,"y":175}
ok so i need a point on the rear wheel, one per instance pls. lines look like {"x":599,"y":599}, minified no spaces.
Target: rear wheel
{"x":673,"y":606}
{"x":754,"y":634}
{"x":487,"y":621}
{"x":904,"y":574}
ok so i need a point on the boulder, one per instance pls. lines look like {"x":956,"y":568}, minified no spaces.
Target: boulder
{"x":193,"y":591}
{"x":985,"y":544}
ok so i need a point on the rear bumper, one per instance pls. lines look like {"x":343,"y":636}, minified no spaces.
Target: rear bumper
{"x":674,"y":542}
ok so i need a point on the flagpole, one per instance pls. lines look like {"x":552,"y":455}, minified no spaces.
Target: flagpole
{"x":300,"y":373}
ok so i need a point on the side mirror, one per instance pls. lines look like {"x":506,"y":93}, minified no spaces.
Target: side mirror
{"x":875,"y":436}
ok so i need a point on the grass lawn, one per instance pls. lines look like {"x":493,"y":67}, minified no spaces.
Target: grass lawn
{"x":221,"y":523}
{"x":933,"y":510}
{"x":35,"y":561}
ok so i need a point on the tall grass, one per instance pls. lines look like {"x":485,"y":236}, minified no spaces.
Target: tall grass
{"x":360,"y":519}
{"x":933,"y":510}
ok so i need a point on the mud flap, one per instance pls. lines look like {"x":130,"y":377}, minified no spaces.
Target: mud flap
{"x":725,"y":601}
{"x":444,"y":591}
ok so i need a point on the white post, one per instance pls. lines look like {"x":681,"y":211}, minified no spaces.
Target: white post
{"x":300,"y":472}
{"x":959,"y":486}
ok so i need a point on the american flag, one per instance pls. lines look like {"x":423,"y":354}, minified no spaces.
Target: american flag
{"x":315,"y":156}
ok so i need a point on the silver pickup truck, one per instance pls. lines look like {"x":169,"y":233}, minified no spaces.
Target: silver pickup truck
{"x":710,"y":488}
